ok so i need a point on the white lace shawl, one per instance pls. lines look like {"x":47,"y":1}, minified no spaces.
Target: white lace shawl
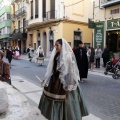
{"x":66,"y":65}
{"x":39,"y":51}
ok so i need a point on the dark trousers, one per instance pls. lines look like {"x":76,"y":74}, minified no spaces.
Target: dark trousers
{"x":97,"y":62}
{"x":105,"y":61}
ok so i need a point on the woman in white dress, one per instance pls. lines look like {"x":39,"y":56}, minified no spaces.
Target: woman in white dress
{"x":40,"y":56}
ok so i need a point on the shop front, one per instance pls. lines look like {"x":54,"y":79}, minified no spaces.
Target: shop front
{"x":113,"y":35}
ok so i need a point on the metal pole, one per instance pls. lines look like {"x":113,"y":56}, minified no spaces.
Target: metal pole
{"x":64,"y":10}
{"x":93,"y":8}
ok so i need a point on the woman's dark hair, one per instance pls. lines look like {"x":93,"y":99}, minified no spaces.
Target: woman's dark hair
{"x":59,"y":41}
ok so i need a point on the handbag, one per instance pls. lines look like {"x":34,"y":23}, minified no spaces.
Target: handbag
{"x":8,"y":80}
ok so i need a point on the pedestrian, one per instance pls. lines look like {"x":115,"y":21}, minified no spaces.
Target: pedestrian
{"x":105,"y":55}
{"x":4,"y":70}
{"x":30,"y":53}
{"x":92,"y":57}
{"x":9,"y":55}
{"x":98,"y":54}
{"x":88,"y":56}
{"x":82,"y":61}
{"x":40,"y":55}
{"x":16,"y":53}
{"x":62,"y":98}
{"x":28,"y":49}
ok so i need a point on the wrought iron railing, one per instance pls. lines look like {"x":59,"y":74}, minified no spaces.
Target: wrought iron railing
{"x":50,"y":15}
{"x":20,"y":11}
{"x":20,"y":30}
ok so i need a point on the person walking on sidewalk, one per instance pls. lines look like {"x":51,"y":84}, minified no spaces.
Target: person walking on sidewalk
{"x":88,"y":56}
{"x":98,"y":54}
{"x":105,"y":55}
{"x":62,"y":98}
{"x":30,"y":52}
{"x":40,"y":55}
{"x":82,"y":61}
{"x":9,"y":55}
{"x":92,"y":57}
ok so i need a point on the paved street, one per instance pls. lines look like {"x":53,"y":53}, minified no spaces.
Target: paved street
{"x":102,"y":93}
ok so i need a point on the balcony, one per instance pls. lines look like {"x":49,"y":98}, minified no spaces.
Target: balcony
{"x":19,"y":34}
{"x":108,"y":3}
{"x":50,"y":15}
{"x":20,"y":12}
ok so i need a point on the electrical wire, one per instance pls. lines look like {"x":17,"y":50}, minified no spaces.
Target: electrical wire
{"x":74,"y":3}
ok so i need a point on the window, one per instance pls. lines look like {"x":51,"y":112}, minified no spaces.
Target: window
{"x":44,"y":8}
{"x":18,"y":6}
{"x":19,"y":26}
{"x":8,"y":30}
{"x":115,"y":11}
{"x":3,"y":31}
{"x":36,"y":8}
{"x":31,"y":9}
{"x":8,"y":16}
{"x":77,"y":38}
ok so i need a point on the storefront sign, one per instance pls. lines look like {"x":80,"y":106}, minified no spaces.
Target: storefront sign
{"x":113,"y":24}
{"x":99,"y":34}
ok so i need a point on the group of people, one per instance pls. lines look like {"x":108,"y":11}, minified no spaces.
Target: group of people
{"x":11,"y":52}
{"x":38,"y":55}
{"x":94,"y":56}
{"x":62,"y":98}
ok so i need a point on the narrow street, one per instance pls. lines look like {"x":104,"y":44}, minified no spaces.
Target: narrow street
{"x":102,"y":93}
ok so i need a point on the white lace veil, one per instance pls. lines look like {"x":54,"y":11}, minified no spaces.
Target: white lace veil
{"x":66,"y":65}
{"x":40,"y":50}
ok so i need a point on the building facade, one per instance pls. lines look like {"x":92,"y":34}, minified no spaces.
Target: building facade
{"x":18,"y":18}
{"x":107,"y":24}
{"x":49,"y":20}
{"x":5,"y":23}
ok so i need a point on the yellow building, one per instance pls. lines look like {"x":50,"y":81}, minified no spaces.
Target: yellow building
{"x":18,"y":18}
{"x":107,"y":20}
{"x":49,"y":20}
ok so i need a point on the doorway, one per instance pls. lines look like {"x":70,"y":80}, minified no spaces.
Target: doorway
{"x":44,"y":42}
{"x":113,"y":40}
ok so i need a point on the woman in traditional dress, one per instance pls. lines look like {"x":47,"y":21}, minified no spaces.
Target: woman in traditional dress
{"x":16,"y":53}
{"x":40,"y":56}
{"x":62,"y":98}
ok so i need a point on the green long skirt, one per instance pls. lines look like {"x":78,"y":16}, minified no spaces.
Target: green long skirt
{"x":72,"y":108}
